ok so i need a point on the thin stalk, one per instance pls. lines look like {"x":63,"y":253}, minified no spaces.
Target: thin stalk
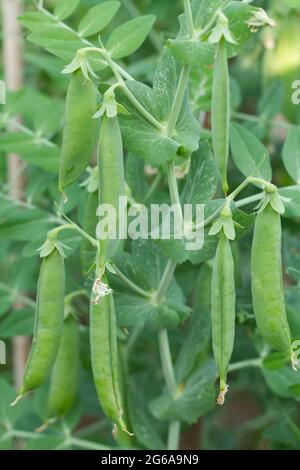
{"x":209,"y":219}
{"x":238,"y":190}
{"x":174,"y":193}
{"x":131,"y":284}
{"x":73,"y":226}
{"x":78,"y":293}
{"x":86,"y":444}
{"x":177,"y":104}
{"x":211,"y":23}
{"x":189,"y":17}
{"x":17,"y":297}
{"x":173,"y":435}
{"x":14,"y":124}
{"x":249,"y":200}
{"x":262,"y":120}
{"x":153,"y":187}
{"x":245,"y":364}
{"x":140,"y":108}
{"x":83,"y":40}
{"x":166,"y":360}
{"x":165,"y":281}
{"x":92,"y":428}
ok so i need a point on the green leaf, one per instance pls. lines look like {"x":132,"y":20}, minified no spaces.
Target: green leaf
{"x":128,"y":37}
{"x":250,"y":156}
{"x":35,"y":20}
{"x":191,"y":52}
{"x":292,"y":202}
{"x":10,"y":414}
{"x":202,"y":180}
{"x":18,"y":322}
{"x":144,"y":426}
{"x":238,"y":13}
{"x":193,"y":399}
{"x":97,"y":18}
{"x":65,"y":8}
{"x":291,"y":154}
{"x":271,"y":101}
{"x":31,"y":151}
{"x":196,"y":340}
{"x":133,"y":309}
{"x":281,"y":381}
{"x":60,"y":42}
{"x":143,"y":139}
{"x":140,"y":137}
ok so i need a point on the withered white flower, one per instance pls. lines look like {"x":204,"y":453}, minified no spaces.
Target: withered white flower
{"x":259,"y":19}
{"x":100,"y":290}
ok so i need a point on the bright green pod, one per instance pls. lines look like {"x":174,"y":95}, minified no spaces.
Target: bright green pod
{"x":79,"y":137}
{"x":223,"y":311}
{"x":48,"y":322}
{"x":90,"y":220}
{"x":64,"y":377}
{"x":220,"y":112}
{"x":104,"y":357}
{"x":267,"y":283}
{"x":112,"y":181}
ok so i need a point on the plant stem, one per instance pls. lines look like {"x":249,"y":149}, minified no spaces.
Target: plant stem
{"x":173,"y":435}
{"x":249,"y":200}
{"x":73,"y":226}
{"x":165,"y":281}
{"x":14,"y":124}
{"x":245,"y":364}
{"x":259,"y":119}
{"x":78,"y":293}
{"x":131,"y":284}
{"x":17,"y":297}
{"x":178,"y":100}
{"x":153,"y":187}
{"x":189,"y":17}
{"x":166,"y":360}
{"x":83,"y":40}
{"x":86,"y":444}
{"x":140,"y":108}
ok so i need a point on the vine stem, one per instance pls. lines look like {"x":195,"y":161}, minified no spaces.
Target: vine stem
{"x":174,"y":435}
{"x":70,"y":440}
{"x":249,"y":200}
{"x":245,"y":364}
{"x":131,"y":284}
{"x":83,"y":40}
{"x":166,"y":359}
{"x":259,"y":119}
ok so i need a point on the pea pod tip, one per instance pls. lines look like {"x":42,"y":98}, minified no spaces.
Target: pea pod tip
{"x":16,"y":400}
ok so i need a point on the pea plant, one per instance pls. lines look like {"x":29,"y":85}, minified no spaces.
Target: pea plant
{"x":144,"y":334}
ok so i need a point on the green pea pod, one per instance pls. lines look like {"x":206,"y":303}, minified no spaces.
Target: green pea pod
{"x":267,"y":282}
{"x":87,"y":252}
{"x":48,"y":322}
{"x":104,"y":356}
{"x":64,"y":377}
{"x":223,"y":311}
{"x":220,"y":114}
{"x":79,"y":137}
{"x":112,"y":183}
